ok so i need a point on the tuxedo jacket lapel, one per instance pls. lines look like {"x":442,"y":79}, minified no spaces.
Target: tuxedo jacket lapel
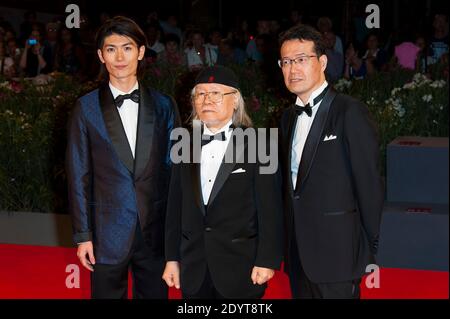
{"x":313,"y":139}
{"x":145,"y":130}
{"x":115,"y":128}
{"x":196,"y":185}
{"x":290,"y":133}
{"x":226,"y":168}
{"x":224,"y":171}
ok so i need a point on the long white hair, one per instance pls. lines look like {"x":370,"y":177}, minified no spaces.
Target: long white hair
{"x":240,"y":116}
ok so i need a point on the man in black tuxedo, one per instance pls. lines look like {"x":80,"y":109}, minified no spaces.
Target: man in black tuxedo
{"x":333,"y":193}
{"x":224,"y":218}
{"x":118,"y":170}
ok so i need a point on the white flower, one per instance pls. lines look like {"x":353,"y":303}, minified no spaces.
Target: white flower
{"x":420,"y":79}
{"x":400,"y":111}
{"x":397,"y":103}
{"x":8,"y":112}
{"x":438,"y":84}
{"x":392,"y":101}
{"x":427,"y":98}
{"x":343,"y":84}
{"x":395,"y":90}
{"x":372,"y":101}
{"x":409,"y":86}
{"x":4,"y":85}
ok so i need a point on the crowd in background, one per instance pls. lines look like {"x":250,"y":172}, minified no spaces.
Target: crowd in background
{"x":41,"y":49}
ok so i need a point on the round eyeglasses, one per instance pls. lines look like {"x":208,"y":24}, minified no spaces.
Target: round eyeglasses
{"x":214,"y":96}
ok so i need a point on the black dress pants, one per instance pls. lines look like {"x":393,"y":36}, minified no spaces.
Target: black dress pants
{"x":111,"y":281}
{"x":303,"y":288}
{"x":209,"y":291}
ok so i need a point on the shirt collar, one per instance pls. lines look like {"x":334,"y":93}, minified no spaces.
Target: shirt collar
{"x":314,"y":94}
{"x":116,"y":92}
{"x":207,"y":131}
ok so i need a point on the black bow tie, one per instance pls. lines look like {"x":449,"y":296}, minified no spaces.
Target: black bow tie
{"x":300,"y":109}
{"x":307,"y":108}
{"x":206,"y":139}
{"x":134,"y":96}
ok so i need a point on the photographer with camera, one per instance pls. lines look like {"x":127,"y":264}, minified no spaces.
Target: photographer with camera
{"x":32,"y":61}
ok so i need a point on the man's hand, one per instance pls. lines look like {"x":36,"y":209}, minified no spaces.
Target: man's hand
{"x":260,"y":275}
{"x":171,"y":274}
{"x":86,"y":249}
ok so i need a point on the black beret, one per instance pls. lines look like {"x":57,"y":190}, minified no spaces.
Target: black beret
{"x":218,"y":74}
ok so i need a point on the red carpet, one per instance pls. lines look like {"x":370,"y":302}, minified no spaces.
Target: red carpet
{"x":37,"y":272}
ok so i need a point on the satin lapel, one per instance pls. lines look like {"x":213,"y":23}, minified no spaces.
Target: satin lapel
{"x":114,"y":127}
{"x":226,"y":168}
{"x":313,"y":140}
{"x":145,"y":130}
{"x":290,"y":134}
{"x":196,"y":184}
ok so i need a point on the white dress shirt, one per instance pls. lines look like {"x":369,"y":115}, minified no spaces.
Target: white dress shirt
{"x":211,"y":159}
{"x":128,"y":114}
{"x":304,"y":123}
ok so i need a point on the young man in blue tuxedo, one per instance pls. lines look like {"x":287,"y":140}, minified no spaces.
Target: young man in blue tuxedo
{"x":118,"y":170}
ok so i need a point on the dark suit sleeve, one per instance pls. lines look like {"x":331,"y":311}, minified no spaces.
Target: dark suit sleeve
{"x":174,"y":121}
{"x":270,"y":218}
{"x":173,"y":216}
{"x":79,"y":174}
{"x":363,"y":147}
{"x":175,"y":113}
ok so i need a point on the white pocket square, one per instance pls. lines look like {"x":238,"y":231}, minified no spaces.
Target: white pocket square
{"x":329,"y":137}
{"x":239,"y":170}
